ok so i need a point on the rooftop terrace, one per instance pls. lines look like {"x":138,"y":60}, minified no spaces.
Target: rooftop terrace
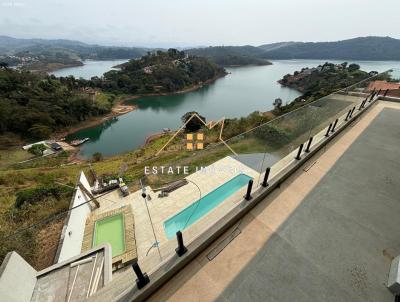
{"x":328,"y":233}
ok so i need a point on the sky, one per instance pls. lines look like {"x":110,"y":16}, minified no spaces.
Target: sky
{"x":188,"y":23}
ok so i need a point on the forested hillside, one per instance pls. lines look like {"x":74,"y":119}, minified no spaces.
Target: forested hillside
{"x":323,"y":80}
{"x":160,"y":72}
{"x":48,"y":55}
{"x":231,"y":55}
{"x":365,"y":48}
{"x":34,"y":105}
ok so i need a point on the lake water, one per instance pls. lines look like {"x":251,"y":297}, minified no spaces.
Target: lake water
{"x":244,"y":90}
{"x":90,"y":69}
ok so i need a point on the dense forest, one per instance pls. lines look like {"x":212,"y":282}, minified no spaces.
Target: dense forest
{"x":34,"y":105}
{"x":231,"y":55}
{"x":159,"y":72}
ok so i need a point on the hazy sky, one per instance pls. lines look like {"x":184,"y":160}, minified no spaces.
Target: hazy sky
{"x":194,"y":23}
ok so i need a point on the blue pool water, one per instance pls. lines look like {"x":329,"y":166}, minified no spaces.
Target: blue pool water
{"x":201,"y":207}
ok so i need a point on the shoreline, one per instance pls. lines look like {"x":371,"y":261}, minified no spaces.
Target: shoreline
{"x":122,"y":108}
{"x":126,"y":108}
{"x":52,"y":67}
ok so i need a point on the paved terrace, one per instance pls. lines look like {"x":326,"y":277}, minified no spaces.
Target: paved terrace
{"x":328,"y":233}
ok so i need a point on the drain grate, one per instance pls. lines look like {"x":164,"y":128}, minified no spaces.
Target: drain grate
{"x":224,"y":243}
{"x":307,"y":168}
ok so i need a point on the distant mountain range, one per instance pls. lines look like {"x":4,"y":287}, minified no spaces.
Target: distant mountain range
{"x":365,"y":48}
{"x":69,"y":52}
{"x":14,"y":46}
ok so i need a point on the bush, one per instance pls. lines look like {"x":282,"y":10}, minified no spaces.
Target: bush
{"x":38,"y":194}
{"x":195,"y":123}
{"x":274,"y":136}
{"x":97,"y":156}
{"x":37,"y":149}
{"x":39,"y":131}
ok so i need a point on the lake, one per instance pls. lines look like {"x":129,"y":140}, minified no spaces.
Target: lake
{"x":90,"y":69}
{"x":243,"y":91}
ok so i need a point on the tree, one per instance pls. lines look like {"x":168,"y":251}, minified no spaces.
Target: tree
{"x":353,"y":67}
{"x":277,"y":104}
{"x":97,"y":156}
{"x":195,"y":123}
{"x":39,"y":131}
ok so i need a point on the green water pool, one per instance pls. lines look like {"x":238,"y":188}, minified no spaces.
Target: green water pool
{"x":110,"y":230}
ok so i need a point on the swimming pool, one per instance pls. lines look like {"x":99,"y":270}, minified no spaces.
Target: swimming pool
{"x":205,"y":204}
{"x":110,"y":230}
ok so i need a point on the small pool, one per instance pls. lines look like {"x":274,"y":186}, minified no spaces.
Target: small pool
{"x":110,"y":230}
{"x":201,"y":207}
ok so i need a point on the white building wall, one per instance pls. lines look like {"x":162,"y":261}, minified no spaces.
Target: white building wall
{"x":17,"y":279}
{"x":72,"y":236}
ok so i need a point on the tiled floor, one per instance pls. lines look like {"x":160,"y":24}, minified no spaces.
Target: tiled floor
{"x":327,"y":234}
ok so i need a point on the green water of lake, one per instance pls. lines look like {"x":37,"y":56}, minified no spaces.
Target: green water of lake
{"x":244,"y":90}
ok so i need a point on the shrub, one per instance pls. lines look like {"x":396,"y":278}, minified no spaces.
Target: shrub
{"x":97,"y":156}
{"x":37,"y":149}
{"x":38,"y":194}
{"x":274,"y":136}
{"x":195,"y":123}
{"x":39,"y":131}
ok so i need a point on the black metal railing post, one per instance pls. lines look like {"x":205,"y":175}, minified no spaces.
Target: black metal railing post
{"x":181,"y":249}
{"x":361,"y":105}
{"x":372,"y":96}
{"x":249,"y":187}
{"x":266,"y":175}
{"x":309,"y":145}
{"x":334,"y":125}
{"x":352,"y":111}
{"x":142,"y":278}
{"x":348,"y":115}
{"x":298,"y":156}
{"x":386,"y":92}
{"x":329,"y":129}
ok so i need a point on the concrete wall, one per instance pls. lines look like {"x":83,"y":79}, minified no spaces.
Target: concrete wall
{"x":17,"y":279}
{"x":72,"y":235}
{"x":394,"y":276}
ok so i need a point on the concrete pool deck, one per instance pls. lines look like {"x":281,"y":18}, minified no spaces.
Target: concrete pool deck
{"x":163,"y":208}
{"x":327,"y":234}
